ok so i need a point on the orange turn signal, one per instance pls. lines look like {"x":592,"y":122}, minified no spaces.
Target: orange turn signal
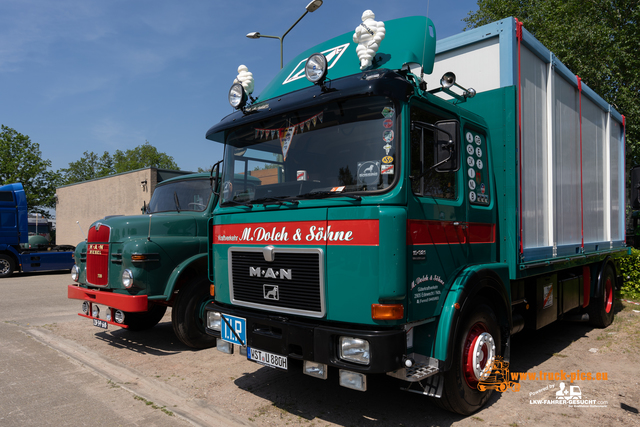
{"x":212,"y":290}
{"x":138,"y":257}
{"x":387,"y":311}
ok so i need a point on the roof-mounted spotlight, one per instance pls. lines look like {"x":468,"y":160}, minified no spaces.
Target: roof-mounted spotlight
{"x":237,"y":96}
{"x":316,"y":68}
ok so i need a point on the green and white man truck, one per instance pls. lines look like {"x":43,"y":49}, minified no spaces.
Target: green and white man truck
{"x":407,"y":224}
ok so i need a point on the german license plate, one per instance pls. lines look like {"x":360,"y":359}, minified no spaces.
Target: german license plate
{"x":267,"y":359}
{"x":100,"y":323}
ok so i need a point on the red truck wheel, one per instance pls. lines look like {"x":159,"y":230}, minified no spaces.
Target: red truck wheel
{"x":186,"y":311}
{"x":600,"y":308}
{"x":478,"y":333}
{"x":7,"y":265}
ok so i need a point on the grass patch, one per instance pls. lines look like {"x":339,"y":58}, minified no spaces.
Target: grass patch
{"x":153,"y":405}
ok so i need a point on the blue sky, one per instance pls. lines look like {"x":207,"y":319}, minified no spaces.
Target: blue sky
{"x":101,"y":75}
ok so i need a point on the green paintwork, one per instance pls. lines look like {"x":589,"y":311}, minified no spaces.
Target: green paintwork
{"x":407,"y":40}
{"x":179,"y":239}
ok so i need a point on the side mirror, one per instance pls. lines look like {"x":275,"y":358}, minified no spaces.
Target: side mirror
{"x":214,"y":177}
{"x":447,"y":146}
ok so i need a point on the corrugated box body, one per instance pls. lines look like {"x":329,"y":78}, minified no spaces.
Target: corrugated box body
{"x":558,"y":159}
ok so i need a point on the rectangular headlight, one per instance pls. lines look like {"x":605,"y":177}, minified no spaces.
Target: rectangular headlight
{"x":213,"y":320}
{"x":354,"y":350}
{"x":353,"y":380}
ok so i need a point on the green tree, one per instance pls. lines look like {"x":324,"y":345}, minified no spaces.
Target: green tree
{"x":21,"y":161}
{"x":599,"y":40}
{"x":90,"y":166}
{"x":143,"y":156}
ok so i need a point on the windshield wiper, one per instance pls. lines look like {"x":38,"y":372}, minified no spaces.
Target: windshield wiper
{"x":323,"y":194}
{"x":235,"y":203}
{"x":277,"y":200}
{"x":175,"y":199}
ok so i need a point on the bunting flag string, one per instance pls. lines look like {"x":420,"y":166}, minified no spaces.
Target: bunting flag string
{"x":286,"y":134}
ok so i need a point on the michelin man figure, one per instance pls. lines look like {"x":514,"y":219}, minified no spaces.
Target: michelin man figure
{"x":245,"y":78}
{"x":368,"y":35}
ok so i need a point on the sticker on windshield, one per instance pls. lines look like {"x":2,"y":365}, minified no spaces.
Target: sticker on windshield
{"x":387,"y":112}
{"x":368,"y":172}
{"x":387,"y":159}
{"x":387,"y":147}
{"x":386,"y":170}
{"x":337,"y":189}
{"x":388,"y":123}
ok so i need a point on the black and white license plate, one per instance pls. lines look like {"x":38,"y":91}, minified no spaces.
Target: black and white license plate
{"x":100,"y":323}
{"x":267,"y":359}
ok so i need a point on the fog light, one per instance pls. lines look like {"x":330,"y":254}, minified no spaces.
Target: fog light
{"x":354,"y":350}
{"x":75,"y":273}
{"x":95,"y":311}
{"x":316,"y":68}
{"x":315,"y":369}
{"x":213,"y":320}
{"x":127,"y":278}
{"x":85,"y":307}
{"x":119,"y":316}
{"x":224,"y":346}
{"x":353,"y":380}
{"x":237,"y":96}
{"x":108,"y":315}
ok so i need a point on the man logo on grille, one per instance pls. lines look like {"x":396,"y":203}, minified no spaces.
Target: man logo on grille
{"x":271,"y":292}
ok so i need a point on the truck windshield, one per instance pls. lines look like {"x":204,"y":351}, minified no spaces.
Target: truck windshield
{"x":345,"y":146}
{"x":187,"y":195}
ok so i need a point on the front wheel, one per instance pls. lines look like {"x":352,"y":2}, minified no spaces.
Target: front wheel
{"x":600,"y":309}
{"x":144,"y":320}
{"x":185,"y":315}
{"x":7,"y":265}
{"x":476,"y":345}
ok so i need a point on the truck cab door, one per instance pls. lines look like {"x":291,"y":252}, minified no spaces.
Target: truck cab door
{"x":437,"y":239}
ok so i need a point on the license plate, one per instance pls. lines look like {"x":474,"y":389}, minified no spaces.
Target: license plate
{"x":267,"y":359}
{"x":234,"y":330}
{"x":100,"y":323}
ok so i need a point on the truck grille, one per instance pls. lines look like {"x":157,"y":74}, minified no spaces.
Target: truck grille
{"x":293,"y":282}
{"x":98,"y":255}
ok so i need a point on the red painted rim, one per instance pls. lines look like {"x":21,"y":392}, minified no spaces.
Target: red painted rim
{"x":467,"y":353}
{"x":608,"y":296}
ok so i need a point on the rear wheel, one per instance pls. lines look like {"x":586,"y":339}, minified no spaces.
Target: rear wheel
{"x":186,"y":312}
{"x":141,"y":321}
{"x":476,"y":345}
{"x":7,"y":265}
{"x":600,"y":309}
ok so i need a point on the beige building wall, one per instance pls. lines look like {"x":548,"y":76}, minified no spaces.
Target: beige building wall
{"x":86,"y":202}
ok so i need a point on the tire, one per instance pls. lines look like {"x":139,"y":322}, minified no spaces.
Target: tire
{"x":7,"y":265}
{"x":144,"y":320}
{"x":600,"y":309}
{"x":460,"y":393}
{"x":185,"y":315}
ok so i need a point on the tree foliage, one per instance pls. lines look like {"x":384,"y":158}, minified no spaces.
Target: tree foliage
{"x":21,"y":161}
{"x":599,"y":40}
{"x":91,"y":165}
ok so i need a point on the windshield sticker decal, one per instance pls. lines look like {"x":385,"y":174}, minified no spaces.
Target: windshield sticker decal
{"x":386,"y":170}
{"x":387,"y":147}
{"x":337,"y":189}
{"x":388,"y":123}
{"x":368,"y":173}
{"x":387,"y":159}
{"x":332,"y":55}
{"x":387,"y":112}
{"x":387,"y":135}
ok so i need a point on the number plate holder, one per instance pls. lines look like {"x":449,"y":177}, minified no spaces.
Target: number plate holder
{"x":100,"y":323}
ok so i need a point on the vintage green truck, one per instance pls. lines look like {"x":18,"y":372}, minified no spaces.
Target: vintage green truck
{"x":413,"y":224}
{"x":131,"y":268}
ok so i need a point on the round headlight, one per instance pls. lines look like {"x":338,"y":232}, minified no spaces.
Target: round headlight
{"x":237,"y":96}
{"x":75,"y":273}
{"x":85,"y":307}
{"x":127,"y":278}
{"x":316,"y":68}
{"x":108,"y":314}
{"x":95,"y":311}
{"x":119,"y":316}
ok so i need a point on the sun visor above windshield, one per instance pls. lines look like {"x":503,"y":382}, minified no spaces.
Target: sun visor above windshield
{"x":407,"y":40}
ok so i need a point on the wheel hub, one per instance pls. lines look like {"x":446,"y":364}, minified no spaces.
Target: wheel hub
{"x":479,"y":355}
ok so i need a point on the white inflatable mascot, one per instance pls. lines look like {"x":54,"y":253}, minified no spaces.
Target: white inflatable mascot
{"x":368,"y":35}
{"x":245,"y":78}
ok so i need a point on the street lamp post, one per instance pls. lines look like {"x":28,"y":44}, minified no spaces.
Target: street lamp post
{"x":311,"y":7}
